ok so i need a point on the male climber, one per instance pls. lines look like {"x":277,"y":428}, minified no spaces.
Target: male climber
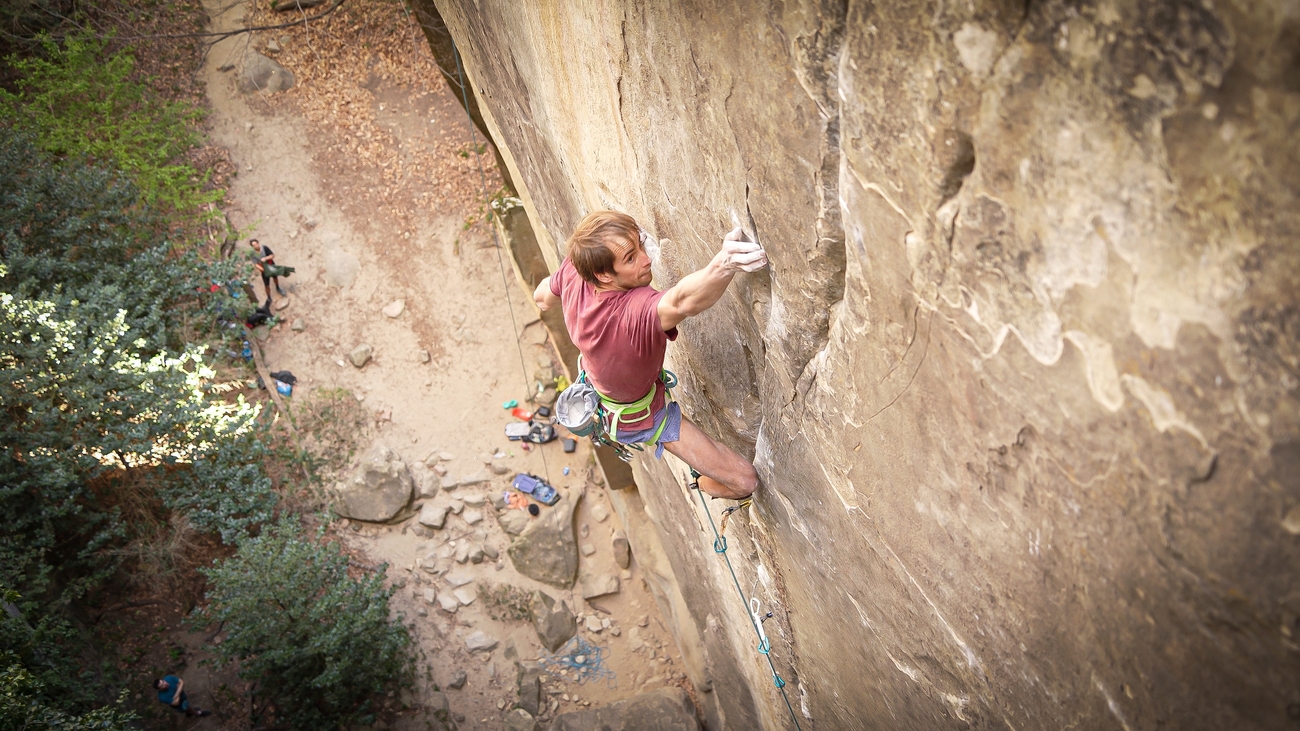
{"x":622,"y":325}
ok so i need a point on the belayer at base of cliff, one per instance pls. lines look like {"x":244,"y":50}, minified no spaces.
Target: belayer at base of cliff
{"x":622,"y":326}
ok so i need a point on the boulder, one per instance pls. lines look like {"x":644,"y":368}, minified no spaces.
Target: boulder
{"x":554,"y":623}
{"x":594,"y":585}
{"x":434,"y":514}
{"x":519,"y":720}
{"x":263,"y":74}
{"x":622,"y":550}
{"x":426,"y":482}
{"x":547,"y":549}
{"x":360,"y":355}
{"x":529,"y":677}
{"x":379,"y":488}
{"x":664,"y":709}
{"x":480,"y":642}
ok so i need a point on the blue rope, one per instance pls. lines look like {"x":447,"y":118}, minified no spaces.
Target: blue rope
{"x":764,"y":646}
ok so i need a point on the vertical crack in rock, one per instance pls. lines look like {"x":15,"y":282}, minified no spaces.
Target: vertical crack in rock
{"x":818,"y":55}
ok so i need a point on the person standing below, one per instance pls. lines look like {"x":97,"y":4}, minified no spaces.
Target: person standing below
{"x":264,"y":262}
{"x":622,"y":326}
{"x":171,"y":691}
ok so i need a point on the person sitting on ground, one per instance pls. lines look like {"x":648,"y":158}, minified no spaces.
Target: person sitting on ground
{"x":622,"y":326}
{"x":171,"y":691}
{"x":264,"y":262}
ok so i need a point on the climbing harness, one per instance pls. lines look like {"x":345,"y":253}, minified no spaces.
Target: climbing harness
{"x":751,"y":605}
{"x":586,"y":412}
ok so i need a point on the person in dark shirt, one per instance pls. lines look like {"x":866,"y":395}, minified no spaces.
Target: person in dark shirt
{"x":264,"y":262}
{"x":171,"y":691}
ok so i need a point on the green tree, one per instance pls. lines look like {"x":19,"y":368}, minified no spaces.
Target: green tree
{"x":80,"y":101}
{"x":319,"y":643}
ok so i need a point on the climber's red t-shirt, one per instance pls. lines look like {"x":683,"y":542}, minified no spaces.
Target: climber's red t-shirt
{"x":620,"y":336}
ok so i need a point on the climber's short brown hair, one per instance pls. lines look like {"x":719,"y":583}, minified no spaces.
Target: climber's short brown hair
{"x":591,"y":247}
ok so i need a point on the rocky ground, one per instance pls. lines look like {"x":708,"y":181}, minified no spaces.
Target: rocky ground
{"x":362,"y":175}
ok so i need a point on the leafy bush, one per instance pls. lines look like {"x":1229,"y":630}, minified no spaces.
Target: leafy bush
{"x":82,"y":102}
{"x":319,"y":643}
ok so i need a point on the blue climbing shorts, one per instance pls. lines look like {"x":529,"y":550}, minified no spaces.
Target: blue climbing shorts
{"x":672,"y":430}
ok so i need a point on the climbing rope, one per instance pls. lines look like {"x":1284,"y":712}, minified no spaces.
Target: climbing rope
{"x":579,"y":661}
{"x":487,"y":201}
{"x":751,"y":605}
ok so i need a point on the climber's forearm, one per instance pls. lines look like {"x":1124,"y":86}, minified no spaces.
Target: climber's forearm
{"x":695,"y":293}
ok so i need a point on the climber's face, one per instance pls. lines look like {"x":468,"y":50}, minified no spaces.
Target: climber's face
{"x":631,"y":266}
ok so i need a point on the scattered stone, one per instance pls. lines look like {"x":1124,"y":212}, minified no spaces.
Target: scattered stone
{"x":490,"y":551}
{"x":447,"y":482}
{"x":379,"y":489}
{"x":529,"y":677}
{"x":513,"y":522}
{"x":457,"y":580}
{"x":615,"y":631}
{"x":434,"y":514}
{"x":644,"y":621}
{"x":476,"y":478}
{"x":474,"y":499}
{"x":457,"y":506}
{"x":272,"y":46}
{"x":440,"y":470}
{"x":593,"y":623}
{"x":462,"y":553}
{"x":422,"y":612}
{"x":426,"y":483}
{"x":476,"y":554}
{"x":584,"y":530}
{"x":599,"y":512}
{"x":394,"y":308}
{"x":263,"y":74}
{"x":430,"y":595}
{"x":554,"y":623}
{"x":546,"y":550}
{"x":448,"y":603}
{"x":622,"y":550}
{"x":594,"y":585}
{"x":425,"y":357}
{"x":480,"y":642}
{"x":298,"y":325}
{"x":472,"y":516}
{"x":588,"y":549}
{"x":605,"y":623}
{"x":663,"y":709}
{"x":360,"y":355}
{"x":500,"y":469}
{"x":547,"y":397}
{"x":464,"y":595}
{"x":458,"y":679}
{"x":519,"y":720}
{"x":446,"y":456}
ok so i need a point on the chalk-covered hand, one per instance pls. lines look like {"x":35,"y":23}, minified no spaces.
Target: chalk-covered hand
{"x":737,"y":255}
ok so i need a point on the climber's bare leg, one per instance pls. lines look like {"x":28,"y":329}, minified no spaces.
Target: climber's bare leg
{"x":724,"y":473}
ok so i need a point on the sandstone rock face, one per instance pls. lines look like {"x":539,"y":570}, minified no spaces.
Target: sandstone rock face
{"x":1021,"y":380}
{"x":378,"y":490}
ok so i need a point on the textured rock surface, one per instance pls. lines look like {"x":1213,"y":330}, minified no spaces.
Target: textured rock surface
{"x":666,"y":709}
{"x":547,"y":550}
{"x":554,"y":622}
{"x":263,"y":74}
{"x":379,"y":488}
{"x":1021,"y":381}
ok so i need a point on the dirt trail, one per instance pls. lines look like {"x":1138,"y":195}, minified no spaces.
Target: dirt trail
{"x":356,"y":249}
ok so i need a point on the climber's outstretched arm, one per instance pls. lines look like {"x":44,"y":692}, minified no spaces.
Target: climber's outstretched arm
{"x":698,"y":291}
{"x":544,"y":297}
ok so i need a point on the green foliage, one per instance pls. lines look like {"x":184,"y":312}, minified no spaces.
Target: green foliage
{"x":319,"y":643}
{"x":23,"y":705}
{"x":81,"y":102}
